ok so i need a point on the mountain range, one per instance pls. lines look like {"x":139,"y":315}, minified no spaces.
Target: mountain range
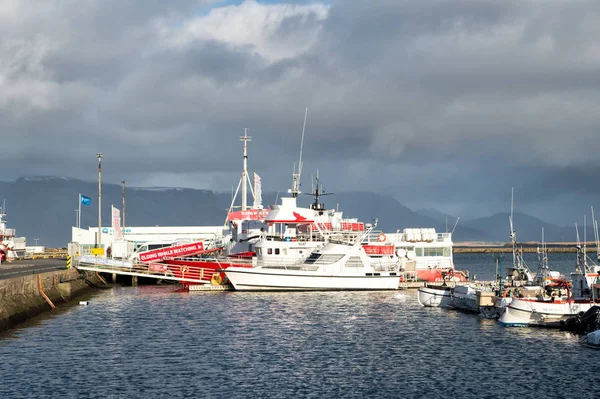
{"x":45,"y":208}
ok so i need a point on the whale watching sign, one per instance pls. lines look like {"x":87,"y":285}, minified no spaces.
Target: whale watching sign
{"x":178,"y":250}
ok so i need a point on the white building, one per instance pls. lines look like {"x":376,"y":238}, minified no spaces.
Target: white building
{"x":86,"y":238}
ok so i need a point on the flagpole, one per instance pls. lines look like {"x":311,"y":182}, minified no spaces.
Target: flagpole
{"x":79,"y":213}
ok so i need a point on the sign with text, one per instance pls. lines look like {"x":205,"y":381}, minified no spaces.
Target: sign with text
{"x":169,"y":252}
{"x":97,"y":251}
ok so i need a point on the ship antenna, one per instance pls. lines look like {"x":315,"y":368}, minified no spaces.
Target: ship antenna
{"x":596,"y":237}
{"x":455,"y":224}
{"x":296,"y":176}
{"x":513,"y":236}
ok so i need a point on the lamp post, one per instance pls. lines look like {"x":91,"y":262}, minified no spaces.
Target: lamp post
{"x":36,"y":240}
{"x":123,"y":210}
{"x":99,"y":155}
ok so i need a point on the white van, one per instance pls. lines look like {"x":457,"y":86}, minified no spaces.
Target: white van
{"x":148,"y":246}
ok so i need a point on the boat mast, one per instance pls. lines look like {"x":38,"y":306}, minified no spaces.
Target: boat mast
{"x":296,"y":176}
{"x":596,"y":237}
{"x":245,"y":138}
{"x":513,"y":234}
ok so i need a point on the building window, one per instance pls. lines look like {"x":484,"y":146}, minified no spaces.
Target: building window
{"x":276,"y":251}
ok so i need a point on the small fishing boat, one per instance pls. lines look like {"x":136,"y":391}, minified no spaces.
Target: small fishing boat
{"x":435,"y":296}
{"x":464,"y":297}
{"x":552,"y":305}
{"x":591,"y":340}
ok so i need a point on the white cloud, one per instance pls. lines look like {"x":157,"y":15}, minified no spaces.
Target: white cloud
{"x":255,"y":27}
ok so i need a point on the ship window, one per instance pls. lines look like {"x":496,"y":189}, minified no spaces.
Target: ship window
{"x":354,"y":261}
{"x":325,"y":259}
{"x":447,"y":251}
{"x":276,"y":251}
{"x":259,"y":251}
{"x":419,"y":251}
{"x":270,"y":251}
{"x":437,"y":252}
{"x":312,"y":258}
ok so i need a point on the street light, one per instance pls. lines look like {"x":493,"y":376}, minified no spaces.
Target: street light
{"x":99,"y":155}
{"x":36,"y":240}
{"x":123,"y":210}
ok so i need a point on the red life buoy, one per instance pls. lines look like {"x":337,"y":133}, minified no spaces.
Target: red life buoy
{"x":381,"y":237}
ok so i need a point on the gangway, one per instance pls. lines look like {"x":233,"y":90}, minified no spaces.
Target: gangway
{"x":207,"y":271}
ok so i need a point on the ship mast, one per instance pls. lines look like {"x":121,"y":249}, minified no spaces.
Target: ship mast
{"x":296,"y":176}
{"x":245,"y":138}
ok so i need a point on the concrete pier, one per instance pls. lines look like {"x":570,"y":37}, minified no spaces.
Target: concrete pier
{"x":26,"y":296}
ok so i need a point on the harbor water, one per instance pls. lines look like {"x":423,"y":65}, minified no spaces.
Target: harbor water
{"x":154,"y":342}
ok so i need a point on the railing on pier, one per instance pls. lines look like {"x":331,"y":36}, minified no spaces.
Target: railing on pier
{"x":167,"y":270}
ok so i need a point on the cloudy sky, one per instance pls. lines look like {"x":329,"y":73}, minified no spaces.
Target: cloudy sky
{"x":443,"y":103}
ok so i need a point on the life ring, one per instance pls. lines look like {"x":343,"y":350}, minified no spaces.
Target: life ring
{"x":381,"y":237}
{"x":216,"y":279}
{"x":55,"y":251}
{"x":183,"y":270}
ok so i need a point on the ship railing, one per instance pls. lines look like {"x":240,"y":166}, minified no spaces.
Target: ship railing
{"x":400,"y":236}
{"x":8,"y":232}
{"x":384,"y":264}
{"x":279,"y":264}
{"x":314,"y":235}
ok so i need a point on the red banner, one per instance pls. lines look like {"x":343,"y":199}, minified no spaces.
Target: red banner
{"x":249,"y":214}
{"x":378,"y":249}
{"x":169,"y":252}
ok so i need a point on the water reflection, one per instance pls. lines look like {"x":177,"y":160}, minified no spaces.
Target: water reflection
{"x":154,"y":342}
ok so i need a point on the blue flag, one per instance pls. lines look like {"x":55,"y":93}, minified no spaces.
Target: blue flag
{"x":85,"y":200}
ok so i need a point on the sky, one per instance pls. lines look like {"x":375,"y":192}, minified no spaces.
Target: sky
{"x":447,"y":104}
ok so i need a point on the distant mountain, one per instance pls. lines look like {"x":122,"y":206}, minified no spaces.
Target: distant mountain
{"x":438,"y":216}
{"x":527,"y":228}
{"x":44,"y":208}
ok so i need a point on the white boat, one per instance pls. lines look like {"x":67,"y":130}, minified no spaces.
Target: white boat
{"x":435,"y":296}
{"x":337,"y":265}
{"x":10,"y":244}
{"x":548,"y":306}
{"x":464,"y":297}
{"x":294,"y":233}
{"x":591,"y":340}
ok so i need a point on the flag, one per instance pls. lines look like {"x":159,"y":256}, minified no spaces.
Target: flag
{"x":116,"y":222}
{"x":257,"y":191}
{"x":85,"y":200}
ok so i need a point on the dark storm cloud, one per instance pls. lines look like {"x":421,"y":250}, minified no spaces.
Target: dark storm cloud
{"x":440,"y":103}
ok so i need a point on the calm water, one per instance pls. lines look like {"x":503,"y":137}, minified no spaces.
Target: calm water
{"x":153,"y":342}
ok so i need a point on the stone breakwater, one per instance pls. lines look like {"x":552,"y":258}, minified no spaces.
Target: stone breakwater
{"x":527,"y":249}
{"x":24,"y":297}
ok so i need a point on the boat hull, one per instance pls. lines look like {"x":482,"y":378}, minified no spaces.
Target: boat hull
{"x":437,"y":275}
{"x":191,"y":272}
{"x":435,"y":296}
{"x":262,"y":279}
{"x":524,"y":313}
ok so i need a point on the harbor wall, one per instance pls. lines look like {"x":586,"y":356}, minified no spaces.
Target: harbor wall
{"x":23,"y":297}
